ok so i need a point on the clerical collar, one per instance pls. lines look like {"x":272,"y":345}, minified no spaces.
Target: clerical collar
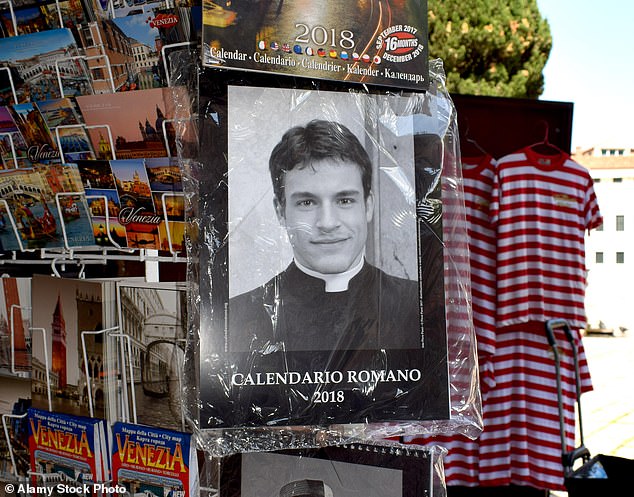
{"x":334,"y":282}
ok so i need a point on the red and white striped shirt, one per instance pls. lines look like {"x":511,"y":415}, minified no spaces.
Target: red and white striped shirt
{"x":478,"y":179}
{"x":541,"y":207}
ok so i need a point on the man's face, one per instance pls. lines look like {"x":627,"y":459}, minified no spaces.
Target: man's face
{"x":326,"y":215}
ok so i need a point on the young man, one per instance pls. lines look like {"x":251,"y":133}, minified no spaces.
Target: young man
{"x":329,"y":297}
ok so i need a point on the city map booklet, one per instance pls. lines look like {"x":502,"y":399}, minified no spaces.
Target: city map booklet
{"x":67,"y":449}
{"x":150,"y":461}
{"x":322,"y":300}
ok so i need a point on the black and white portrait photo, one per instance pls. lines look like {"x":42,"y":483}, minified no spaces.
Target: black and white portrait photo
{"x":322,"y":225}
{"x":321,"y":285}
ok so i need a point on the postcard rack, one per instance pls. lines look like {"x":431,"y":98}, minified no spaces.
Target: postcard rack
{"x":128,"y":412}
{"x":85,"y":59}
{"x":14,"y":22}
{"x":15,"y":307}
{"x":84,"y":127}
{"x":11,"y":83}
{"x":89,"y":255}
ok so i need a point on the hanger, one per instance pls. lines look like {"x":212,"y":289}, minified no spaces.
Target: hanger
{"x":472,"y":141}
{"x":544,"y":147}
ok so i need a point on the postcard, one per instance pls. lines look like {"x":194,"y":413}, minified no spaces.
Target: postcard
{"x":66,"y":129}
{"x":15,"y":327}
{"x":33,"y":16}
{"x":15,"y":399}
{"x":156,"y":316}
{"x":103,"y":202}
{"x":42,"y":148}
{"x":167,"y":191}
{"x":13,"y":147}
{"x":138,"y":213}
{"x":35,"y":59}
{"x":151,"y":34}
{"x":72,"y":313}
{"x":46,"y":208}
{"x":141,"y":122}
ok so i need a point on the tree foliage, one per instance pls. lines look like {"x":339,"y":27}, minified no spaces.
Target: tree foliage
{"x":490,"y":47}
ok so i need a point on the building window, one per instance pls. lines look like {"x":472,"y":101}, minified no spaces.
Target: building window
{"x":620,"y":223}
{"x":600,"y":227}
{"x":620,"y":257}
{"x":598,"y":257}
{"x":617,"y":180}
{"x":596,"y":180}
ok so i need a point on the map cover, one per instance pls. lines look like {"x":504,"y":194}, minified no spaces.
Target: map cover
{"x":152,"y":461}
{"x":69,"y":447}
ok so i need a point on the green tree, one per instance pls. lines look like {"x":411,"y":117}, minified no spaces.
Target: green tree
{"x":490,"y":47}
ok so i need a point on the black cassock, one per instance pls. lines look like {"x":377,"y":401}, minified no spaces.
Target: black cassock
{"x":293,"y":311}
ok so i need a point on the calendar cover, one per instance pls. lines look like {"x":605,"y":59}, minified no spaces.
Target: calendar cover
{"x":343,"y":471}
{"x":322,"y":300}
{"x":379,"y":42}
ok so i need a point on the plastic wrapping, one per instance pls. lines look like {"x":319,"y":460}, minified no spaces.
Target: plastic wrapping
{"x":384,"y":469}
{"x":305,"y":322}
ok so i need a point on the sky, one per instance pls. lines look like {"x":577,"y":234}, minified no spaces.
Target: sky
{"x":136,"y":27}
{"x":23,"y":47}
{"x":592,"y":65}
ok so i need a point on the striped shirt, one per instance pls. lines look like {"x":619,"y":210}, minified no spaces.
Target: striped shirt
{"x":541,"y":207}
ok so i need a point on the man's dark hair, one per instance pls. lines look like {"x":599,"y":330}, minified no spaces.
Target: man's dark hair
{"x":302,"y":145}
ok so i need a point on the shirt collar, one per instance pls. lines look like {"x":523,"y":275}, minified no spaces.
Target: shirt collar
{"x":334,"y":282}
